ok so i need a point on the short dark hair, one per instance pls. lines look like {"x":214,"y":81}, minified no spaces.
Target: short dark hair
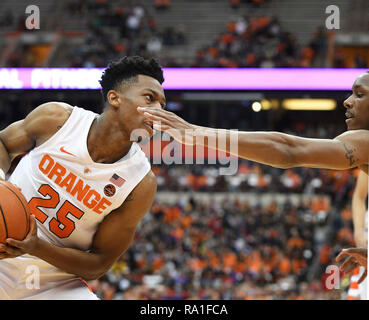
{"x":127,"y":68}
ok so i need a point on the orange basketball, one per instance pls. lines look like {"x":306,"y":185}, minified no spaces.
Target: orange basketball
{"x":14,"y":213}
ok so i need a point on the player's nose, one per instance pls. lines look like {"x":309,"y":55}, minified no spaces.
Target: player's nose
{"x":348,"y":103}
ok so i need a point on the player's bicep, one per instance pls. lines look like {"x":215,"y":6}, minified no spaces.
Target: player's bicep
{"x":16,"y":139}
{"x":344,"y":152}
{"x":22,"y":136}
{"x":329,"y":154}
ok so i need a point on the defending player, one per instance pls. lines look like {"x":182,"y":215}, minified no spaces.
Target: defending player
{"x":87,"y":183}
{"x":348,"y":150}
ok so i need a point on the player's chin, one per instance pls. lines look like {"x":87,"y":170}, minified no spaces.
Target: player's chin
{"x":350,"y":124}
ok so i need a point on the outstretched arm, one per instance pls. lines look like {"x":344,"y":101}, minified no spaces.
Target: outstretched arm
{"x":276,"y":149}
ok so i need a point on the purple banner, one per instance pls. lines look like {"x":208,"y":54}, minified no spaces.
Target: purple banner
{"x":188,"y":78}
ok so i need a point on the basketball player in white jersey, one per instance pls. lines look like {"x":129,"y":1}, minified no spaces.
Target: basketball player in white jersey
{"x":346,"y":151}
{"x":360,"y":220}
{"x":87,"y":183}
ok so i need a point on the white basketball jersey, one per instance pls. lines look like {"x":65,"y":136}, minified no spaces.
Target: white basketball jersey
{"x":67,"y":191}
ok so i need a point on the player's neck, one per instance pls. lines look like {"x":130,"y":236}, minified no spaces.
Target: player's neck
{"x":106,"y":143}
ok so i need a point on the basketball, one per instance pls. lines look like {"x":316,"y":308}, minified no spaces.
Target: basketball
{"x":14,"y":213}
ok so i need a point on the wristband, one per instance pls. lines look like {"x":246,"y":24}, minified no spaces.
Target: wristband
{"x":2,"y":174}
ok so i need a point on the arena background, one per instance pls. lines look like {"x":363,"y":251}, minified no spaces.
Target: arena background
{"x":263,"y":233}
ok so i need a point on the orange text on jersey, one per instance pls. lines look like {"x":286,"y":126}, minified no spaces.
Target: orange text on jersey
{"x":76,"y":188}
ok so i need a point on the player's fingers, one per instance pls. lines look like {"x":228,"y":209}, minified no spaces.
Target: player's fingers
{"x":360,"y":258}
{"x":347,"y":263}
{"x":352,"y":251}
{"x":33,"y":225}
{"x":154,"y":111}
{"x":160,"y":126}
{"x":11,"y":250}
{"x":147,"y":112}
{"x":351,"y":267}
{"x":7,"y":256}
{"x":157,"y":115}
{"x":341,"y":255}
{"x":141,"y":109}
{"x":14,"y":243}
{"x":157,"y":126}
{"x":348,"y":252}
{"x":156,"y":119}
{"x":362,"y":278}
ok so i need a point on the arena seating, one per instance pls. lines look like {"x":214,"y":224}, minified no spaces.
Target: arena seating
{"x":216,"y":34}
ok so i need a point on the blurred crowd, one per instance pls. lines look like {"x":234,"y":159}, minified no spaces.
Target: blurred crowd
{"x":223,"y":248}
{"x":253,"y":177}
{"x":236,"y":4}
{"x":260,"y":42}
{"x":115,"y":29}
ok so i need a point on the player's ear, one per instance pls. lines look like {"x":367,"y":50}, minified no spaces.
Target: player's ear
{"x":113,"y":98}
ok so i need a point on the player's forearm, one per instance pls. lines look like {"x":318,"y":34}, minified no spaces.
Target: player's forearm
{"x":87,"y":265}
{"x":271,"y":148}
{"x":5,"y":160}
{"x":358,"y":215}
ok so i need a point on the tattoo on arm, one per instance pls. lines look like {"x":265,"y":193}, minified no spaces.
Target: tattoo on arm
{"x":350,"y":154}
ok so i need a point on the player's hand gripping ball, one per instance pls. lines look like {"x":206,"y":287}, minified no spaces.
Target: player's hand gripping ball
{"x":14,"y":213}
{"x":18,"y":229}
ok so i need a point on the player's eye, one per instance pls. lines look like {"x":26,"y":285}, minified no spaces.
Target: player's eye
{"x":359,"y":95}
{"x":149,"y":97}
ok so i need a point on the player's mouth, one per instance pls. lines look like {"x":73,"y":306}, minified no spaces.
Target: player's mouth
{"x":349,"y":117}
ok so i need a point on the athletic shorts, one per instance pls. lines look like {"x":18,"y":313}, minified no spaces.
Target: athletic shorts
{"x":29,"y":278}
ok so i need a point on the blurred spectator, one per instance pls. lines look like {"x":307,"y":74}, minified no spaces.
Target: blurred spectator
{"x":7,"y":19}
{"x":360,"y":62}
{"x":162,"y":4}
{"x":235,"y":4}
{"x":339,"y":60}
{"x":114,"y":31}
